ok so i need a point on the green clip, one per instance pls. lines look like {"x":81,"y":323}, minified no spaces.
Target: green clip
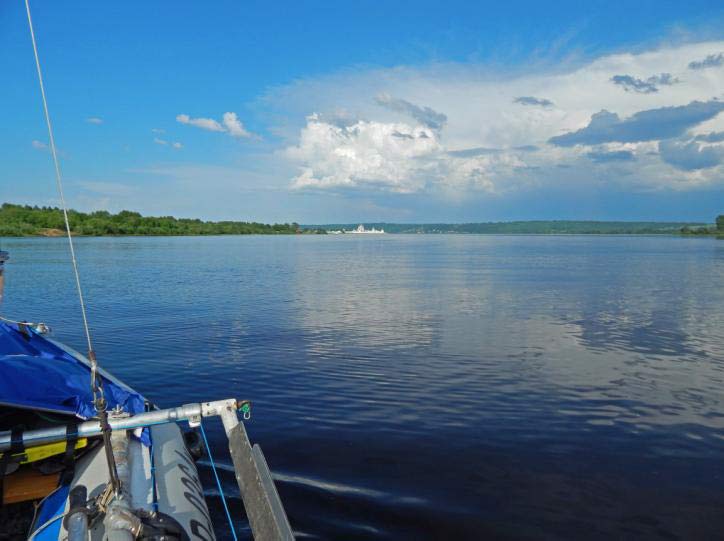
{"x":246,"y":410}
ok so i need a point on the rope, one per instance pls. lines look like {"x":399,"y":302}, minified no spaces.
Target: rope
{"x":96,"y":386}
{"x":154,"y":495}
{"x":218,"y":482}
{"x":45,"y":525}
{"x":59,"y":182}
{"x":28,"y":323}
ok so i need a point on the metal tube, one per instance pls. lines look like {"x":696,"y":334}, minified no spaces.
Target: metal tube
{"x":76,"y":521}
{"x":119,"y":447}
{"x":78,"y":527}
{"x":188,"y":412}
{"x":120,"y":523}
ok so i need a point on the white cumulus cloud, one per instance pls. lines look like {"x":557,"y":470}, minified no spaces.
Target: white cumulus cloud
{"x":456,"y":128}
{"x":234,"y":126}
{"x":230,"y":124}
{"x":395,"y":157}
{"x":389,"y":156}
{"x":164,"y":143}
{"x":204,"y":123}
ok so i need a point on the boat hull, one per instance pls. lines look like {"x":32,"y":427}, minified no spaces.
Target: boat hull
{"x":163,"y":478}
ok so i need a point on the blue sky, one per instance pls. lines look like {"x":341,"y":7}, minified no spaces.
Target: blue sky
{"x":365,"y":111}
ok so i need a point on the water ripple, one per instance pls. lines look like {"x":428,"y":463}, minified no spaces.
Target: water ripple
{"x":427,"y":387}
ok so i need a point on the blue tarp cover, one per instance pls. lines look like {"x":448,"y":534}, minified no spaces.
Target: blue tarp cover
{"x":37,"y":374}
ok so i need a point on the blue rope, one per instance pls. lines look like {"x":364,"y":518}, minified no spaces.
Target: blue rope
{"x":218,"y":481}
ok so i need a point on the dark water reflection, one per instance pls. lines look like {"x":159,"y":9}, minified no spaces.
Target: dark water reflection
{"x":429,"y":387}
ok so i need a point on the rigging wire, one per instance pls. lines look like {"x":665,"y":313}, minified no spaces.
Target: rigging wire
{"x":96,"y":384}
{"x":59,"y":182}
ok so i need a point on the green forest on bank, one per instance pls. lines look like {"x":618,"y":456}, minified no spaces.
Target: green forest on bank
{"x":25,"y":220}
{"x":717,"y":229}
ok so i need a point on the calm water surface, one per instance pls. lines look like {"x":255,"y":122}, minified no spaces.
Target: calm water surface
{"x":427,"y":387}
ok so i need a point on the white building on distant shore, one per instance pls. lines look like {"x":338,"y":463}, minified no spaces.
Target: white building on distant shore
{"x":359,"y":230}
{"x":362,"y":231}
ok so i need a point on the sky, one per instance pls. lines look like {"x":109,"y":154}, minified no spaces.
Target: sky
{"x":341,"y":112}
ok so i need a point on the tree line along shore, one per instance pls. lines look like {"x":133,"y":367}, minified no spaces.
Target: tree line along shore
{"x":717,"y":229}
{"x":26,"y":220}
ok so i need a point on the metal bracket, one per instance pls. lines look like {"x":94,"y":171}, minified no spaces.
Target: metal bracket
{"x":263,"y":506}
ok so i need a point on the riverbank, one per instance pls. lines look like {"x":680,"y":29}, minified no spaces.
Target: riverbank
{"x":34,"y":221}
{"x":532,"y":227}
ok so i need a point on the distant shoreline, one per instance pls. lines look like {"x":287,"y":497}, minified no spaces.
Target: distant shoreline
{"x":33,"y":221}
{"x":536,"y":227}
{"x":132,"y":236}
